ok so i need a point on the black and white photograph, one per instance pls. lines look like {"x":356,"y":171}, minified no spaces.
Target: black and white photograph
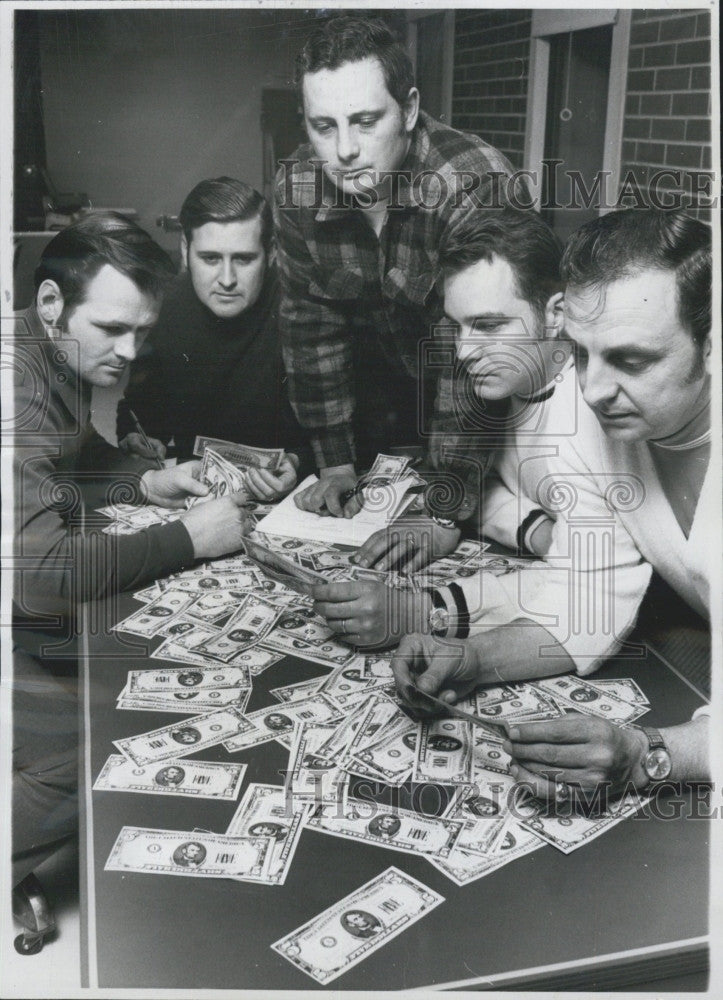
{"x":361,"y":371}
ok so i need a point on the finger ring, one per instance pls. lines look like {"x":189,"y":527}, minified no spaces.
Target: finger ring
{"x":562,"y":791}
{"x":343,"y":625}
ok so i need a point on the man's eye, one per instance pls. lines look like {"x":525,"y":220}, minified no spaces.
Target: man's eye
{"x":367,"y":122}
{"x":634,"y":367}
{"x":209,"y":259}
{"x":322,"y":128}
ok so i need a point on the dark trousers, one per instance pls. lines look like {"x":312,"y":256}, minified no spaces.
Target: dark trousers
{"x":45,"y":758}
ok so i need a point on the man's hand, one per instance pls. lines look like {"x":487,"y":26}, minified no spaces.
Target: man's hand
{"x":171,"y":487}
{"x":408,"y":545}
{"x":269,"y":486}
{"x":370,"y":614}
{"x":445,"y":668}
{"x":579,"y":750}
{"x":325,"y":496}
{"x":132,"y":444}
{"x":218,"y":527}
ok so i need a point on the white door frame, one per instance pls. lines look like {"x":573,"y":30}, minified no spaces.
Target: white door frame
{"x":553,"y":22}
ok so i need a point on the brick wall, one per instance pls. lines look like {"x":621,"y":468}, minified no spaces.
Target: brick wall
{"x":667,"y":111}
{"x":491,"y":67}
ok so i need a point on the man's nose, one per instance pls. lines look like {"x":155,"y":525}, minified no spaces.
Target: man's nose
{"x":598,"y":383}
{"x":468,"y":349}
{"x":228,"y":274}
{"x":126,"y":346}
{"x":347,"y":144}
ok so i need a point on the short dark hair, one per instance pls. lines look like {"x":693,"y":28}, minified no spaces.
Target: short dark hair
{"x":522,"y":238}
{"x":347,"y":38}
{"x":621,"y":244}
{"x":74,"y":257}
{"x":225,"y":199}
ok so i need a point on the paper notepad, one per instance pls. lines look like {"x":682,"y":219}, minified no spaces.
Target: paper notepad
{"x":387,"y":503}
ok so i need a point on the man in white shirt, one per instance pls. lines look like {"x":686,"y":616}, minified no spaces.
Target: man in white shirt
{"x":637,"y":312}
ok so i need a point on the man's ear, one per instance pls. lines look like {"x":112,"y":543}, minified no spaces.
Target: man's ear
{"x":184,"y":252}
{"x":49,"y":303}
{"x":410,"y":109}
{"x":554,"y":316}
{"x":708,"y":355}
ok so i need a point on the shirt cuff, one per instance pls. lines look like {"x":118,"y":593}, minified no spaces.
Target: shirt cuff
{"x":700,"y":713}
{"x":526,"y":529}
{"x":335,"y":447}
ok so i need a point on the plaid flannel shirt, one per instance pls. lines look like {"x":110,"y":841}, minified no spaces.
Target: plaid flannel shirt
{"x":340,"y":282}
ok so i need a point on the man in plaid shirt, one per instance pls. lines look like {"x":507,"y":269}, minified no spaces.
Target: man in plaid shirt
{"x":360,"y":213}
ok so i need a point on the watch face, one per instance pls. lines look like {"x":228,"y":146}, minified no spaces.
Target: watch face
{"x":657,"y":764}
{"x":439,"y":619}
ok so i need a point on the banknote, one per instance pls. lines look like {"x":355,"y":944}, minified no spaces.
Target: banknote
{"x":624,"y":688}
{"x":293,"y":692}
{"x":178,"y":852}
{"x":311,"y":778}
{"x":179,"y":647}
{"x":520,"y":702}
{"x":221,"y":477}
{"x":183,"y":738}
{"x":186,"y":702}
{"x":346,"y":682}
{"x":180,"y":624}
{"x":303,"y":624}
{"x":330,"y":653}
{"x":198,"y":779}
{"x":444,"y":752}
{"x":148,"y":594}
{"x":397,"y":829}
{"x":281,"y":567}
{"x":274,"y":720}
{"x":154,"y":616}
{"x":180,"y":679}
{"x":390,"y":755}
{"x":377,"y":665}
{"x":240,"y":454}
{"x":337,"y":744}
{"x":264,"y":811}
{"x":380,"y":712}
{"x":349,"y":931}
{"x":571,"y":830}
{"x":575,"y":693}
{"x":488,"y":756}
{"x":250,"y":623}
{"x":463,"y":867}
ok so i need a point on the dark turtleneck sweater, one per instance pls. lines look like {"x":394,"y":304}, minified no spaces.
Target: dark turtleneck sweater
{"x":223,"y":378}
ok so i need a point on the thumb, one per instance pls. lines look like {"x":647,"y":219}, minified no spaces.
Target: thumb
{"x":191,"y":485}
{"x":435,"y":675}
{"x":240,"y":498}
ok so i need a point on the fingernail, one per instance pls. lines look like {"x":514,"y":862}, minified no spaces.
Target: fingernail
{"x":514,"y":733}
{"x":514,"y":770}
{"x":363,"y":562}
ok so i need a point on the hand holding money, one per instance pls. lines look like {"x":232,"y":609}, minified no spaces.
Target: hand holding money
{"x":447,"y":668}
{"x":172,"y":487}
{"x":371,"y":614}
{"x":267,"y":486}
{"x":408,"y":544}
{"x":218,"y":527}
{"x":580,"y":751}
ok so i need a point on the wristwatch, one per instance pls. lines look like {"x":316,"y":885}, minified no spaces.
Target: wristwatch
{"x":656,"y":762}
{"x":438,"y":616}
{"x":444,"y":522}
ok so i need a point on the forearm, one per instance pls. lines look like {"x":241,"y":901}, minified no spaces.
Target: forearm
{"x":519,"y":651}
{"x":688,"y":746}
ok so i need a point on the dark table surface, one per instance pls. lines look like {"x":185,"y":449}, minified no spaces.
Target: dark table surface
{"x":640,"y":889}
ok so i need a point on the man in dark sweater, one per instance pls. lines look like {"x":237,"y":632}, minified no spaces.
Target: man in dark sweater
{"x":212,"y":365}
